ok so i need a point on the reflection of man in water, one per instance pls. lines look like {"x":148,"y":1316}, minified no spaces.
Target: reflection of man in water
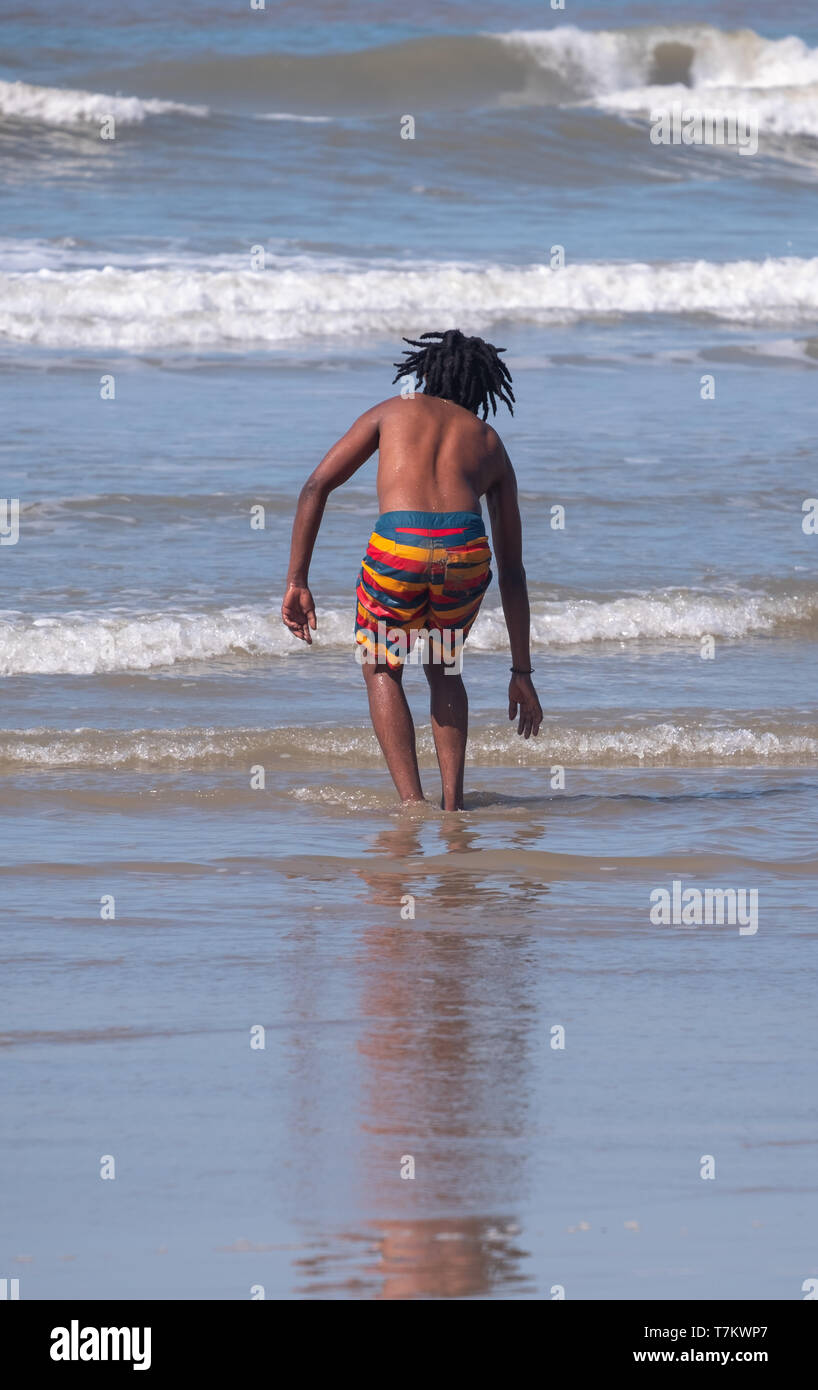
{"x":444,"y":1076}
{"x":447,"y":1258}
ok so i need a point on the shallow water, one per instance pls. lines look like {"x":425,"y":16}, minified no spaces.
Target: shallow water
{"x":388,"y":1036}
{"x":146,"y":674}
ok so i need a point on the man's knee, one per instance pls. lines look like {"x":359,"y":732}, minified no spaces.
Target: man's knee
{"x":442,"y":672}
{"x":444,"y":652}
{"x":373,"y":669}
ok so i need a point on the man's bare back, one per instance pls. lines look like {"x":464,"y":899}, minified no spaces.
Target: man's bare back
{"x":434,"y":456}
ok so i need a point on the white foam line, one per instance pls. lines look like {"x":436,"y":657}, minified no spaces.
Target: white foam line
{"x":88,"y":644}
{"x":114,"y":307}
{"x":62,"y":106}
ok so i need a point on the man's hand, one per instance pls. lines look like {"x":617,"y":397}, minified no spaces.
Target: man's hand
{"x":521,"y":692}
{"x":298,"y":612}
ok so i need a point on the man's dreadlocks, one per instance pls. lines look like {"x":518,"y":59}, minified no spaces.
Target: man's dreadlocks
{"x":465,"y":370}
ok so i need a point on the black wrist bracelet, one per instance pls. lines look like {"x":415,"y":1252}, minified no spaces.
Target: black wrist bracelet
{"x":518,"y":671}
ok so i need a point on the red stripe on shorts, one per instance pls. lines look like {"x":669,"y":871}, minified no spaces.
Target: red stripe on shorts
{"x":428,"y":531}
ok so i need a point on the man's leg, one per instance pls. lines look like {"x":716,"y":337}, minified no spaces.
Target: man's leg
{"x":392,"y":722}
{"x":449,"y":705}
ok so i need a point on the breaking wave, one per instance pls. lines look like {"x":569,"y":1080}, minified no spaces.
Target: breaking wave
{"x":674,"y":742}
{"x":61,"y":106}
{"x":303,"y":298}
{"x":625,"y":68}
{"x":106,"y":643}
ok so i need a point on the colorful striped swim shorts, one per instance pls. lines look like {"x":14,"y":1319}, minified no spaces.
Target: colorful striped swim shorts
{"x":421,"y":570}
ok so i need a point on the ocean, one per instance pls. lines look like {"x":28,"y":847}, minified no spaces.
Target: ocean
{"x":264,"y":1033}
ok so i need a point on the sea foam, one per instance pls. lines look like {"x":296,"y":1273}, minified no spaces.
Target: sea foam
{"x":62,"y":106}
{"x":675,"y":741}
{"x":106,"y":643}
{"x":312,"y":298}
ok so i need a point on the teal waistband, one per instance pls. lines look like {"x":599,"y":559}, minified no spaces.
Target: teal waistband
{"x":456,"y":527}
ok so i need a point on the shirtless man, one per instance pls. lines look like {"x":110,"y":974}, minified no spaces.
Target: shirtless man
{"x":427,"y":562}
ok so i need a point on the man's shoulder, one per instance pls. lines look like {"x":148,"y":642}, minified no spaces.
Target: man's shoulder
{"x":382,"y":409}
{"x":379,"y":407}
{"x":491,"y":435}
{"x":494,"y":444}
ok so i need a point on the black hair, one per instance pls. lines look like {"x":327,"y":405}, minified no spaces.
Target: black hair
{"x":465,"y":370}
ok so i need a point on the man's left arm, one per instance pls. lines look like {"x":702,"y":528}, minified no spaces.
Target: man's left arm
{"x":344,"y":458}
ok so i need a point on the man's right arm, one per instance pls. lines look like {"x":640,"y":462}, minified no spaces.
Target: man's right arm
{"x":336,"y":467}
{"x":506,"y":534}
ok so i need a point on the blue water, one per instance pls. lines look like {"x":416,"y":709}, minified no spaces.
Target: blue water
{"x":144,"y":671}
